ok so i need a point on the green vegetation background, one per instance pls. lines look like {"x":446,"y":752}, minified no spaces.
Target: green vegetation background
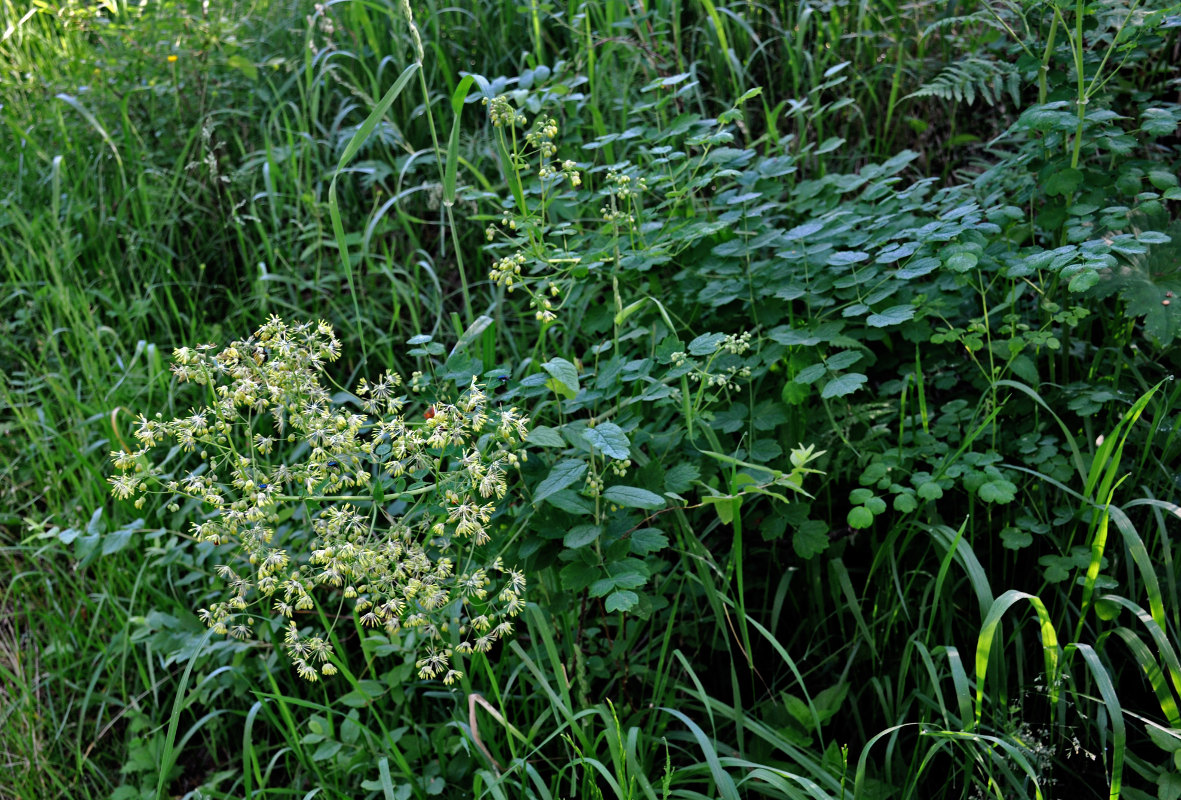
{"x":928,"y":250}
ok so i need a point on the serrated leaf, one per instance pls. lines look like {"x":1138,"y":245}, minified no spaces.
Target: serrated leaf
{"x":810,"y":538}
{"x":545,"y":437}
{"x":1063,"y":182}
{"x":706,"y":344}
{"x":563,"y":474}
{"x":997,"y":490}
{"x":576,"y":576}
{"x":894,"y":315}
{"x":581,"y":536}
{"x":843,"y":360}
{"x":571,"y":502}
{"x":564,"y":374}
{"x":846,"y":257}
{"x":633,"y":497}
{"x":904,"y":503}
{"x":680,"y":476}
{"x":1015,"y":538}
{"x":844,"y":385}
{"x":621,"y":600}
{"x":962,"y":262}
{"x":609,"y":439}
{"x":930,"y":490}
{"x":648,"y":540}
{"x":810,"y":374}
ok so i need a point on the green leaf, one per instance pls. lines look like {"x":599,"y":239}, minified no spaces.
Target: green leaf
{"x":1063,"y":182}
{"x":633,"y":497}
{"x":1168,"y":786}
{"x":706,"y":344}
{"x":576,"y":576}
{"x":648,"y":540}
{"x":581,"y":536}
{"x":843,"y":359}
{"x":545,"y":437}
{"x":571,"y":502}
{"x":1015,"y":538}
{"x":997,"y":490}
{"x":622,"y":600}
{"x":609,"y":439}
{"x":931,"y":490}
{"x":680,"y":476}
{"x":243,"y":65}
{"x":810,"y":538}
{"x":904,"y":503}
{"x":563,"y":474}
{"x":894,"y":315}
{"x":859,"y":517}
{"x":564,"y":374}
{"x":844,"y":385}
{"x":962,"y":262}
{"x":810,"y":374}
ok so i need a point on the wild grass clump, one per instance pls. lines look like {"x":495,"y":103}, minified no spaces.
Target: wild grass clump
{"x":709,"y":400}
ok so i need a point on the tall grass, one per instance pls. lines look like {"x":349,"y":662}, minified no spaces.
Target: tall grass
{"x":174,"y":172}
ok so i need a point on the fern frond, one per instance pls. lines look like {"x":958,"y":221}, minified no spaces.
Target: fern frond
{"x":974,"y":77}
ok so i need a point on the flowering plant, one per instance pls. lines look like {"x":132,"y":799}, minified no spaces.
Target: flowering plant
{"x":275,"y":445}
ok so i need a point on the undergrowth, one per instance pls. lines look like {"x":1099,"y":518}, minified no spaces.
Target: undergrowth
{"x":681,"y":400}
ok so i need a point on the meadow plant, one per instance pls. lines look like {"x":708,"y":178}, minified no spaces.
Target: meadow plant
{"x":278,"y":453}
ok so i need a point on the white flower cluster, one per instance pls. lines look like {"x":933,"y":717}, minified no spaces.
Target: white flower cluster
{"x":271,"y":436}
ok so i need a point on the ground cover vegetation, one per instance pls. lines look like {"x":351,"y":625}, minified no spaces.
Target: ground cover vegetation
{"x":682,"y":399}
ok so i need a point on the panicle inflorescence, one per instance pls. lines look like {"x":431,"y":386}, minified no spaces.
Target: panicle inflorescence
{"x":272,"y":436}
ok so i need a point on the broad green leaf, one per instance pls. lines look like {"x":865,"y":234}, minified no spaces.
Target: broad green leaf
{"x":997,"y":490}
{"x":844,"y":385}
{"x":633,"y":497}
{"x":810,"y":538}
{"x":811,"y":374}
{"x":1063,"y":182}
{"x":609,"y":439}
{"x":571,"y":502}
{"x":564,"y":374}
{"x":706,"y":344}
{"x":680,"y":476}
{"x":563,"y":474}
{"x":843,"y":360}
{"x":581,"y":536}
{"x":545,"y":437}
{"x":962,"y":262}
{"x":621,"y":600}
{"x":647,"y":540}
{"x":859,"y":517}
{"x":894,"y":315}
